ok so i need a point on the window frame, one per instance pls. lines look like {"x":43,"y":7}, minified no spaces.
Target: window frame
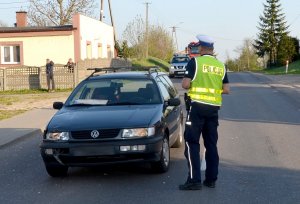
{"x":11,"y":49}
{"x":11,"y":46}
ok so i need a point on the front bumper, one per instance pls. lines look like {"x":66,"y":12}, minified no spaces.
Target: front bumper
{"x":177,"y":72}
{"x":91,"y":153}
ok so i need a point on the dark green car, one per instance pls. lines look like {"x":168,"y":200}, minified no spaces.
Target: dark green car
{"x":115,"y":118}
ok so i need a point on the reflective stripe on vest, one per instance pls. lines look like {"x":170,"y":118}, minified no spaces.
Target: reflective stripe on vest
{"x":206,"y":87}
{"x":206,"y":90}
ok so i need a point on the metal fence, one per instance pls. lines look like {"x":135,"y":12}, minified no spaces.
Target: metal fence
{"x":35,"y":78}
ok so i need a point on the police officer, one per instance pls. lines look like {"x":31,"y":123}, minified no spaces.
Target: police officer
{"x":206,"y":81}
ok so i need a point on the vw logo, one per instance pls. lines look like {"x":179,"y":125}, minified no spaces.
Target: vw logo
{"x":94,"y":134}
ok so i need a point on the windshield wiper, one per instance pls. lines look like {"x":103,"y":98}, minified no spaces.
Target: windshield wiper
{"x":123,"y":103}
{"x":84,"y":104}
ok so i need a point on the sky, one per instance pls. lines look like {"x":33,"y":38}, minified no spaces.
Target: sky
{"x":228,"y":22}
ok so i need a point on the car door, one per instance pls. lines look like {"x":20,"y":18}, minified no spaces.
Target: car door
{"x":172,"y":113}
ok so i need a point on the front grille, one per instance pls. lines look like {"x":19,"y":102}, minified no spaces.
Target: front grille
{"x":178,"y":67}
{"x":104,"y":133}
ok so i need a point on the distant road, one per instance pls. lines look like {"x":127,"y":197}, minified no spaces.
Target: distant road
{"x":259,"y":139}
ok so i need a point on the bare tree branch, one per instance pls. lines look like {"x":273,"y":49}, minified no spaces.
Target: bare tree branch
{"x":58,"y":12}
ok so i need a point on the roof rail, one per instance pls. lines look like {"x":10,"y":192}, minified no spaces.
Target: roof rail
{"x":150,"y":69}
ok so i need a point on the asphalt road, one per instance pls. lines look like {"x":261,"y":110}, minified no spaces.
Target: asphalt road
{"x":259,"y":138}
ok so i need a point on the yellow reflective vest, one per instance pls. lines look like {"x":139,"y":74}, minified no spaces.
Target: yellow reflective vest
{"x":207,"y":84}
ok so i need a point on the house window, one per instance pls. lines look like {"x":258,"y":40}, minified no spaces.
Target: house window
{"x":109,"y":54}
{"x":100,"y":51}
{"x":88,"y":50}
{"x":10,"y":54}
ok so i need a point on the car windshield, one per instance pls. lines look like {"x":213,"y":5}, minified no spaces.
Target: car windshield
{"x":115,"y":92}
{"x":180,"y":60}
{"x":194,"y":50}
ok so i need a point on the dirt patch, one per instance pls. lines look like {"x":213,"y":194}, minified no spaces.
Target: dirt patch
{"x":31,"y":101}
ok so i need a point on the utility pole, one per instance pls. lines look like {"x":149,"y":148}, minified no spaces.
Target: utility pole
{"x":174,"y":35}
{"x":147,"y":47}
{"x":101,"y":11}
{"x":112,"y":21}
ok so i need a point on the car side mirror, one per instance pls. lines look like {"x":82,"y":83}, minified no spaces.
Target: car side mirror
{"x":58,"y":105}
{"x":174,"y":102}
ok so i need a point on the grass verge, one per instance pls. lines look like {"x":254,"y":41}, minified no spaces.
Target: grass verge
{"x":31,"y":91}
{"x":294,"y":68}
{"x":5,"y":114}
{"x":151,"y":61}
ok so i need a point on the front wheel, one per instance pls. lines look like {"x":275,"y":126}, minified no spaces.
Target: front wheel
{"x":162,"y":165}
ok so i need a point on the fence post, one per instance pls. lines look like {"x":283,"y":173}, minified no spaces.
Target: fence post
{"x":40,"y":78}
{"x":4,"y":80}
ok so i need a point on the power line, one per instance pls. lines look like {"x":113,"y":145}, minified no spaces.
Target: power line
{"x":15,"y":2}
{"x":16,"y":7}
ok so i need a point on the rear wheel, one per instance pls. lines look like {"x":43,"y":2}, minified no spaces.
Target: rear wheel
{"x":162,"y":165}
{"x":56,"y":170}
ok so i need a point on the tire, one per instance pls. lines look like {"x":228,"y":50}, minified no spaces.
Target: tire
{"x":162,"y":165}
{"x":57,"y":170}
{"x":179,"y":139}
{"x":171,"y":75}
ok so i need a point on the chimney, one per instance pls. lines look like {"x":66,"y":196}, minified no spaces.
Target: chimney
{"x":21,"y":17}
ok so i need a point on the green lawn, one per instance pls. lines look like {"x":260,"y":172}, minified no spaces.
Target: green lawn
{"x":151,"y":61}
{"x":294,"y":68}
{"x":31,"y":91}
{"x":4,"y":114}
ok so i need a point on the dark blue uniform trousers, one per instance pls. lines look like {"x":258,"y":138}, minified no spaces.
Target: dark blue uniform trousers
{"x":202,"y":119}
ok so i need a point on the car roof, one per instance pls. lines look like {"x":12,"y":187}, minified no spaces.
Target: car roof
{"x":129,"y":75}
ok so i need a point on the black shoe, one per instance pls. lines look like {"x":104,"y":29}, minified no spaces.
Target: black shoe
{"x":190,"y":186}
{"x":209,"y":184}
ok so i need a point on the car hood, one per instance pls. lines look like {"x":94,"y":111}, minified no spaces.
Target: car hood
{"x":104,"y":117}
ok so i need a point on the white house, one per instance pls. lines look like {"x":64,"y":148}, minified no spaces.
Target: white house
{"x":86,"y":38}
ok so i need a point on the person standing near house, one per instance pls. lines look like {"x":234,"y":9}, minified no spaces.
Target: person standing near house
{"x":70,"y":65}
{"x":206,"y":80}
{"x":49,"y":74}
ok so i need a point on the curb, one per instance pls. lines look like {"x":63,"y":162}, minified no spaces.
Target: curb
{"x":21,"y":138}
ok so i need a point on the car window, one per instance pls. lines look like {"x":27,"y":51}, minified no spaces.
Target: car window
{"x":115,"y":92}
{"x":163,"y":89}
{"x":180,"y":59}
{"x":194,"y":50}
{"x":169,"y":88}
{"x":172,"y":90}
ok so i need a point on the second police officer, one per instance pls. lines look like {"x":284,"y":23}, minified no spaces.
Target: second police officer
{"x":206,"y":81}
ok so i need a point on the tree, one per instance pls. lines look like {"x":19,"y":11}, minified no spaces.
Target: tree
{"x":125,"y":50}
{"x":2,"y":24}
{"x":247,"y":59}
{"x":160,"y":43}
{"x":286,"y":50}
{"x":118,"y":49}
{"x":272,"y":27}
{"x":134,"y":34}
{"x":58,"y":12}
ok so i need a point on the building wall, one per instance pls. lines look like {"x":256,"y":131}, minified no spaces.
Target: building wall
{"x":36,"y":50}
{"x":93,"y":35}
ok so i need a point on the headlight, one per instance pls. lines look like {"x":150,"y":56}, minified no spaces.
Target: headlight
{"x":138,"y":132}
{"x":57,"y":136}
{"x":172,"y":67}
